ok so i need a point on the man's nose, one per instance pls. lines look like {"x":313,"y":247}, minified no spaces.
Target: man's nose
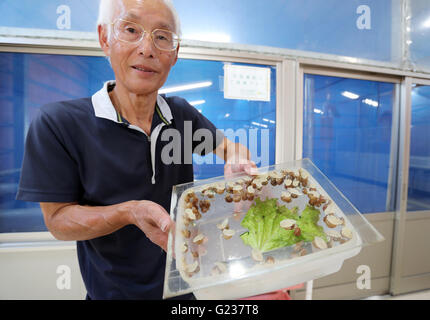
{"x":146,"y":45}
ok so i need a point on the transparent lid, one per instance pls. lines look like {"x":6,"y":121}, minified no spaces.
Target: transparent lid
{"x":241,"y":227}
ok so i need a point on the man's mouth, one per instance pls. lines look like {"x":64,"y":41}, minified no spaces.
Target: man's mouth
{"x":143,"y":69}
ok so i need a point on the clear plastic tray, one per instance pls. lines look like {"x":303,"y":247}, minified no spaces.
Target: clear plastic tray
{"x":219,"y":267}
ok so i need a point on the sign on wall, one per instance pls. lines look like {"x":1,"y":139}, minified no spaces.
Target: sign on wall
{"x":246,"y":83}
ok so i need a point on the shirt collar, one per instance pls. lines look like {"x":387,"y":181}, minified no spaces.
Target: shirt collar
{"x":103,"y":107}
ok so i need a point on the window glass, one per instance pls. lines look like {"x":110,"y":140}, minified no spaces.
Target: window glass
{"x":355,"y":28}
{"x":347,"y":134}
{"x":238,"y":115}
{"x":419,"y":162}
{"x":28,"y":81}
{"x":418,"y":32}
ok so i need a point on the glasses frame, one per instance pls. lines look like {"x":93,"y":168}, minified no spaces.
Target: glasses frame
{"x":143,"y":35}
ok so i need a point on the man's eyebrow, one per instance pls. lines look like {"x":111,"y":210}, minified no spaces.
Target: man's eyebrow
{"x":165,"y":26}
{"x":131,"y":16}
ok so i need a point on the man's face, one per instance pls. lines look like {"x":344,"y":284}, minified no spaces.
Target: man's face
{"x":141,"y":68}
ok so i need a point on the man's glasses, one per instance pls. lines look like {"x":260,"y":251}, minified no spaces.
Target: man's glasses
{"x":132,"y":32}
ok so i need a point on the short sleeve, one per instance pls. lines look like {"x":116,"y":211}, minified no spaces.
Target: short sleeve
{"x":205,"y":133}
{"x":49,"y":171}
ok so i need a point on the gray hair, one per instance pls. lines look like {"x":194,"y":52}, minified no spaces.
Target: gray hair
{"x":107,"y":9}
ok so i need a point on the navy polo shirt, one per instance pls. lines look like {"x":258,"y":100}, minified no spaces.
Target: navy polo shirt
{"x":83,"y":151}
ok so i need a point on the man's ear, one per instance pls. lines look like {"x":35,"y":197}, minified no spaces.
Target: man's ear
{"x":176,"y":57}
{"x":103,"y":39}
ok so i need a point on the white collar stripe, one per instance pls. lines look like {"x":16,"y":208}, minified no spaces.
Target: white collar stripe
{"x":103,"y":107}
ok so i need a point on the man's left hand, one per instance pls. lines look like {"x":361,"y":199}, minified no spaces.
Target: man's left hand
{"x":242,"y":165}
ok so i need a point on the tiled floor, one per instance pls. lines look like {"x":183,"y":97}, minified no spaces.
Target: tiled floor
{"x":419,"y":295}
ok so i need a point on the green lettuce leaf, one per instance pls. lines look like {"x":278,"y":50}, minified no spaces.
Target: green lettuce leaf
{"x":263,"y":223}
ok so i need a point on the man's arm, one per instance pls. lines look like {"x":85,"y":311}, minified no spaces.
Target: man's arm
{"x":73,"y":222}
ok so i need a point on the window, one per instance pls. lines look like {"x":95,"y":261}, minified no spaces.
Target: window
{"x":419,"y":162}
{"x":347,"y":125}
{"x":361,"y":29}
{"x":28,"y":81}
{"x":234,"y":114}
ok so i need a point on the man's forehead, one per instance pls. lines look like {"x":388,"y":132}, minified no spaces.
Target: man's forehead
{"x":135,"y":9}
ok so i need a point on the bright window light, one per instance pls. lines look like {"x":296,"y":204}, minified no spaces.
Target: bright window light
{"x":185,"y":87}
{"x":426,"y":23}
{"x":371,"y":102}
{"x":268,"y":120}
{"x":350,"y":95}
{"x":197,"y":102}
{"x":319,"y":111}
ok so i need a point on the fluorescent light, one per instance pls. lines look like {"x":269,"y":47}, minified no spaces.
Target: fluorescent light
{"x":371,"y":102}
{"x":210,"y":36}
{"x":197,"y":102}
{"x":350,"y":95}
{"x":259,"y":124}
{"x":319,"y":111}
{"x":186,"y":87}
{"x":268,"y":120}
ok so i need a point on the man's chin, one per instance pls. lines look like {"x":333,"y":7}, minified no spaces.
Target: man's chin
{"x":142,"y":90}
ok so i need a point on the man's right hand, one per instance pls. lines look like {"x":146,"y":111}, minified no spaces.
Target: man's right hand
{"x":153,"y":220}
{"x":73,"y":222}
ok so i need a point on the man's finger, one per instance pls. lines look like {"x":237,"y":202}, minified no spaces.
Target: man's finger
{"x":250,"y":169}
{"x":156,"y":236}
{"x":159,"y":217}
{"x":159,"y":238}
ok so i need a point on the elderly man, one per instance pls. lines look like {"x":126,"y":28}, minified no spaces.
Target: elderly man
{"x":95,"y":165}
